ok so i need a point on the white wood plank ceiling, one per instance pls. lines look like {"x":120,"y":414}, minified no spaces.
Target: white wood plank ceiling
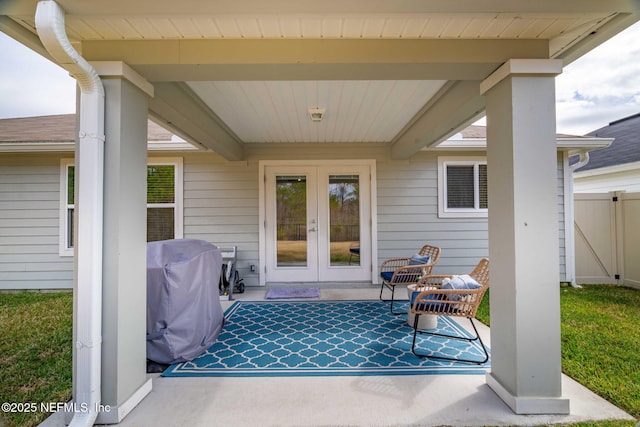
{"x":277,"y":111}
{"x":447,"y":26}
{"x":356,"y":111}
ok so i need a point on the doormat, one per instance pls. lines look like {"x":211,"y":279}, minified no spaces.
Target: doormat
{"x":325,"y":338}
{"x":289,"y":293}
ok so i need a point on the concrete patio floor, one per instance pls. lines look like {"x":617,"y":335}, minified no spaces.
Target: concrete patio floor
{"x":411,"y":400}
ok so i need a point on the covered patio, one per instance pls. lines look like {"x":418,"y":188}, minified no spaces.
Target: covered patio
{"x":242,"y":79}
{"x":397,"y":400}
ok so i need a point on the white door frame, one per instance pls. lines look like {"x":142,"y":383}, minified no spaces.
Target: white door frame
{"x":302,"y":272}
{"x":263,"y":164}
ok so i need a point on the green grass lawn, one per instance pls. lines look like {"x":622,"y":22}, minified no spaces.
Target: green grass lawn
{"x":600,"y":343}
{"x":35,"y":352}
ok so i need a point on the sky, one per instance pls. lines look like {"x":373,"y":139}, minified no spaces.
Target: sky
{"x":601,"y":87}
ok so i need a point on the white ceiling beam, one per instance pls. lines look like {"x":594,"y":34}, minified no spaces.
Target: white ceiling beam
{"x":24,"y":36}
{"x":313,"y":51}
{"x":262,"y":59}
{"x":177,"y":108}
{"x":456,"y":106}
{"x":309,"y":72}
{"x":605,"y":32}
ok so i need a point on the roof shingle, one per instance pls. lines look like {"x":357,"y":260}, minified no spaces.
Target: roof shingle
{"x":57,"y":128}
{"x":624,"y":149}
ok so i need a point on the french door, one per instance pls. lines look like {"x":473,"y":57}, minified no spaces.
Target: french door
{"x":317,"y":223}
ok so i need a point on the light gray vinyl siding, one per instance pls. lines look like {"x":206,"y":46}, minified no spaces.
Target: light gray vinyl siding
{"x":221,"y":198}
{"x":408,"y":217}
{"x":604,"y":182}
{"x":221,"y":206}
{"x":29,"y":224}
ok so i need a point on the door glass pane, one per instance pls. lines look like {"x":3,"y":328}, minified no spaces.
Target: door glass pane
{"x":291,"y":213}
{"x":344,"y":219}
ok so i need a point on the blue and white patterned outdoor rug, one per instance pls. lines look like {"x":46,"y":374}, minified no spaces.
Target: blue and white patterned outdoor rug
{"x":307,"y":338}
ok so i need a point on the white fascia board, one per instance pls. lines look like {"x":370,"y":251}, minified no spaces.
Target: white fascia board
{"x":460,"y":144}
{"x":171,"y":146}
{"x":29,"y":147}
{"x":580,"y":144}
{"x":571,"y":145}
{"x":69,"y":147}
{"x":608,"y":170}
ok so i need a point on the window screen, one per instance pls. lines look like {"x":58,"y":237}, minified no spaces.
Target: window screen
{"x":482,"y":186}
{"x":460,"y":187}
{"x":161,"y":203}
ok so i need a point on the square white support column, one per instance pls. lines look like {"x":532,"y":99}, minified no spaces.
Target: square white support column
{"x":124,"y":378}
{"x":523,"y":236}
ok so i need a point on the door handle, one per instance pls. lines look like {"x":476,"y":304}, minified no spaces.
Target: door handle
{"x":312,"y":229}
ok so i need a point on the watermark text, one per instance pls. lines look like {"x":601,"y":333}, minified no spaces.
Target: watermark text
{"x":23,"y":407}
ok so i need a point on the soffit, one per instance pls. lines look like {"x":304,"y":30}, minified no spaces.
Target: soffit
{"x":561,"y":28}
{"x":434,"y":25}
{"x":408,"y":102}
{"x":277,"y":111}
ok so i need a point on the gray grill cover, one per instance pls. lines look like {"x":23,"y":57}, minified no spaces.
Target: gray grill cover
{"x":184,"y":315}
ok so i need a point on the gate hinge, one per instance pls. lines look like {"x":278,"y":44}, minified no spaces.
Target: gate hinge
{"x":616,"y":276}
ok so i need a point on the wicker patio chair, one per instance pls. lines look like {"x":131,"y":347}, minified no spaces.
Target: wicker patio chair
{"x":433,"y":297}
{"x":407,"y":271}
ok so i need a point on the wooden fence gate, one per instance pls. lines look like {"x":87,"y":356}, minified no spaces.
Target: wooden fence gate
{"x":607,"y":238}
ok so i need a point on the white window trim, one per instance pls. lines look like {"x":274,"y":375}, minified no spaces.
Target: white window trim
{"x":66,"y":251}
{"x":443,"y":210}
{"x":178,"y":231}
{"x":63,"y":248}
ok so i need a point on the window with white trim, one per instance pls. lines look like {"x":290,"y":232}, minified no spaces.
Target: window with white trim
{"x":164,"y":196}
{"x":164,"y":202}
{"x":462,"y":187}
{"x":67,"y":207}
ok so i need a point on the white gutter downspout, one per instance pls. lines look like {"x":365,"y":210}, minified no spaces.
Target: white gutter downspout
{"x":583,"y":160}
{"x":89,"y":198}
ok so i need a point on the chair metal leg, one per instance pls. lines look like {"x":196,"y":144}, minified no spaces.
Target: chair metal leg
{"x":416,"y":331}
{"x":393,"y":290}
